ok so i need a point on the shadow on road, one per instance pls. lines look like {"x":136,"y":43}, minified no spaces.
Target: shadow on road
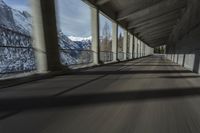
{"x":94,"y":99}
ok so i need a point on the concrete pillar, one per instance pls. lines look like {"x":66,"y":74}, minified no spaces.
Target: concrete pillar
{"x":125,"y":44}
{"x":45,"y":40}
{"x":115,"y":40}
{"x":135,"y":47}
{"x":131,"y":46}
{"x":196,"y":63}
{"x":140,"y":50}
{"x":177,"y":60}
{"x":183,"y":64}
{"x":95,"y":35}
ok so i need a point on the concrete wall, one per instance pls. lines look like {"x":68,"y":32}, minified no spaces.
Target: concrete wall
{"x":184,"y":42}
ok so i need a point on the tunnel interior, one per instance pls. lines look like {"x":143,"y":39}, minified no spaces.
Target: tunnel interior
{"x":121,"y":88}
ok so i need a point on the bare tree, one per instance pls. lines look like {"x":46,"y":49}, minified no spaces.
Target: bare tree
{"x":120,"y":42}
{"x":106,"y":38}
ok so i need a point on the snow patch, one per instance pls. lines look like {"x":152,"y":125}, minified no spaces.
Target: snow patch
{"x":73,"y":38}
{"x":22,"y":21}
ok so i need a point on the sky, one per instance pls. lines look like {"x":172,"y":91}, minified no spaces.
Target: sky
{"x":18,"y":4}
{"x":104,"y":20}
{"x":73,"y":16}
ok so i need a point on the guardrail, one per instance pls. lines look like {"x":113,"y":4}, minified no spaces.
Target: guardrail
{"x":76,"y":56}
{"x":121,"y":56}
{"x":106,"y":56}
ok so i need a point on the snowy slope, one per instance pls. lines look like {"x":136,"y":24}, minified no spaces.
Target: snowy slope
{"x":73,"y":38}
{"x":72,"y":48}
{"x":23,"y":21}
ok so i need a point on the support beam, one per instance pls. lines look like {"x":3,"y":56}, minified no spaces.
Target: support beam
{"x":156,"y":37}
{"x":155,"y":28}
{"x":125,"y":42}
{"x":95,"y":35}
{"x":131,"y":46}
{"x":115,"y":40}
{"x":102,"y":2}
{"x":155,"y":32}
{"x":135,"y":47}
{"x":140,"y":46}
{"x":154,"y":25}
{"x":155,"y":10}
{"x":162,"y":18}
{"x":157,"y":43}
{"x":131,"y":9}
{"x":45,"y":36}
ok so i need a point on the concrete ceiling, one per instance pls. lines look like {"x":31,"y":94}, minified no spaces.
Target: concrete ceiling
{"x":150,"y":20}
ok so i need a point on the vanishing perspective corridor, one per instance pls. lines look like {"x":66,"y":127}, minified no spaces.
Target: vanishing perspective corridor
{"x":146,"y":95}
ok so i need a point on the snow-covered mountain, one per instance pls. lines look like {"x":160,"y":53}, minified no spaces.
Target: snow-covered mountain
{"x":73,"y":38}
{"x":14,"y":19}
{"x":20,"y":21}
{"x":16,"y":26}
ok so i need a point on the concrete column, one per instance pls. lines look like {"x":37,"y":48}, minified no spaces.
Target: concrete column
{"x":115,"y":40}
{"x":125,"y":44}
{"x":131,"y":46}
{"x":45,"y":40}
{"x":95,"y":35}
{"x":140,"y":49}
{"x":196,"y":62}
{"x":135,"y":47}
{"x":178,"y":58}
{"x":183,"y":64}
{"x":142,"y":44}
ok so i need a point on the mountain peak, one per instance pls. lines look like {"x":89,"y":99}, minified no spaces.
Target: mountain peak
{"x":73,"y":38}
{"x":2,"y":2}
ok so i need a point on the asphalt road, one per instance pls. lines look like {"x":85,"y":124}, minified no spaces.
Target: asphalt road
{"x":148,"y":95}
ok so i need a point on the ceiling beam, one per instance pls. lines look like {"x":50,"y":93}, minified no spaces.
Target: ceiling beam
{"x":158,"y":41}
{"x":157,"y":44}
{"x":154,"y":21}
{"x":170,"y":23}
{"x":162,"y":27}
{"x":141,"y":5}
{"x":102,"y":2}
{"x":155,"y":32}
{"x":152,"y":18}
{"x":156,"y":10}
{"x":155,"y":37}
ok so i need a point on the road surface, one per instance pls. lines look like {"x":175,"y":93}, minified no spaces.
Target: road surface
{"x":148,"y":95}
